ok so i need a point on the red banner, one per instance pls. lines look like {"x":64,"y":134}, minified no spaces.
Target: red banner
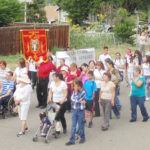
{"x":35,"y":44}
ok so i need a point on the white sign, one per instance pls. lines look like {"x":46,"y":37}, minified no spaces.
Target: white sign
{"x":77,"y":56}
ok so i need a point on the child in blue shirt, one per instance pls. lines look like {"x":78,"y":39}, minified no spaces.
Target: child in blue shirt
{"x":45,"y":124}
{"x":90,"y":88}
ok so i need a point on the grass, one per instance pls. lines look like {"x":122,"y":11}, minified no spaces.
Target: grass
{"x":12,"y":60}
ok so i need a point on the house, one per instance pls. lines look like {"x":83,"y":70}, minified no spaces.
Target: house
{"x":54,"y":14}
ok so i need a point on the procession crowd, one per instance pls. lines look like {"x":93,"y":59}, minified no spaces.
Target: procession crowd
{"x":77,"y":89}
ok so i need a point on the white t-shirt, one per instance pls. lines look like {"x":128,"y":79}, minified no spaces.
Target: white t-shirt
{"x":32,"y":66}
{"x":103,"y":57}
{"x":136,"y":61}
{"x":98,"y":74}
{"x":106,"y":89}
{"x":130,"y":68}
{"x":20,"y":71}
{"x":23,"y":93}
{"x":3,"y":74}
{"x":119,"y":62}
{"x":146,"y":68}
{"x":58,"y":91}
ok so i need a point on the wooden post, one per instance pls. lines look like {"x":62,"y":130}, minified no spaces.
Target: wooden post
{"x":21,"y":51}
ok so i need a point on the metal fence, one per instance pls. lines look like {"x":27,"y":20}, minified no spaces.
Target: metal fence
{"x":11,"y":39}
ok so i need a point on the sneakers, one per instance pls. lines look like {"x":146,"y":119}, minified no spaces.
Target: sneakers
{"x":82,"y":141}
{"x":64,"y":131}
{"x":69,"y":143}
{"x":20,"y":134}
{"x":144,"y":120}
{"x":90,"y":125}
{"x":132,"y":120}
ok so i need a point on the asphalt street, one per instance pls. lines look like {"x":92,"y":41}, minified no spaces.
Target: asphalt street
{"x":121,"y":135}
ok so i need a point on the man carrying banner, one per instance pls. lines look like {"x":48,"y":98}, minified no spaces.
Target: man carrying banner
{"x":43,"y":78}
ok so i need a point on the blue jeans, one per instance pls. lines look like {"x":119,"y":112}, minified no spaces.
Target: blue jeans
{"x":117,"y":104}
{"x":121,"y":75}
{"x":138,"y":101}
{"x":77,"y":118}
{"x":147,"y":79}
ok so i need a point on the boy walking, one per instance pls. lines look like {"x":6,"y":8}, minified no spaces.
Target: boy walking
{"x":90,"y":88}
{"x":78,"y":107}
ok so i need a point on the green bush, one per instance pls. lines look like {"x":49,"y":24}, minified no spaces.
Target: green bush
{"x":124,"y":31}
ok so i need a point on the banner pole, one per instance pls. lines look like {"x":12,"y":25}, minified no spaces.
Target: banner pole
{"x":20,"y":42}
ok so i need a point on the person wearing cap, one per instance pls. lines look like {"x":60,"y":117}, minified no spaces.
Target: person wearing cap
{"x":22,"y":98}
{"x":67,"y":79}
{"x":62,"y":64}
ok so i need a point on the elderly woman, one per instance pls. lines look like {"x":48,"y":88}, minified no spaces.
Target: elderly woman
{"x":3,"y":71}
{"x":22,"y":98}
{"x":138,"y":96}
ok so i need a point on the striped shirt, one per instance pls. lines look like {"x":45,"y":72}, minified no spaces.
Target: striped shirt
{"x":3,"y":74}
{"x":76,"y":98}
{"x":8,"y":85}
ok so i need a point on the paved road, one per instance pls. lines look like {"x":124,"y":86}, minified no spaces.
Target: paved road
{"x":122,"y":135}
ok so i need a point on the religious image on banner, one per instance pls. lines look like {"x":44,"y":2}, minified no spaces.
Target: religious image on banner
{"x":35,"y":44}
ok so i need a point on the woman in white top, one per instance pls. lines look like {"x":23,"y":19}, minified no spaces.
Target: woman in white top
{"x":146,"y":72}
{"x":119,"y":65}
{"x":58,"y":95}
{"x":107,"y":98}
{"x":22,"y":98}
{"x":98,"y":75}
{"x":21,"y":69}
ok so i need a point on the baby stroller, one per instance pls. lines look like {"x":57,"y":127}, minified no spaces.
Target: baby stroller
{"x":51,"y":111}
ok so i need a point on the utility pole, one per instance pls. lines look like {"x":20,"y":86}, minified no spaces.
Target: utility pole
{"x":25,"y":12}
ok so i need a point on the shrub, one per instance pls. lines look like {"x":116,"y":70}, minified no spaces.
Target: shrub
{"x":124,"y":25}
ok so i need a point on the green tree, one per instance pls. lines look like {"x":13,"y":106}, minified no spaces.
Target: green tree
{"x":124,"y":25}
{"x":35,"y":12}
{"x":10,"y":11}
{"x":78,"y":10}
{"x":130,"y":5}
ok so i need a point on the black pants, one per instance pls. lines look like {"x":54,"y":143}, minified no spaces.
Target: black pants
{"x":42,"y":91}
{"x":33,"y":78}
{"x":96,"y":100}
{"x":60,"y":116}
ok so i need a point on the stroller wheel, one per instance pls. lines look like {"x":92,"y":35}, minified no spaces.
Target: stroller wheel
{"x":35,"y":139}
{"x":47,"y":141}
